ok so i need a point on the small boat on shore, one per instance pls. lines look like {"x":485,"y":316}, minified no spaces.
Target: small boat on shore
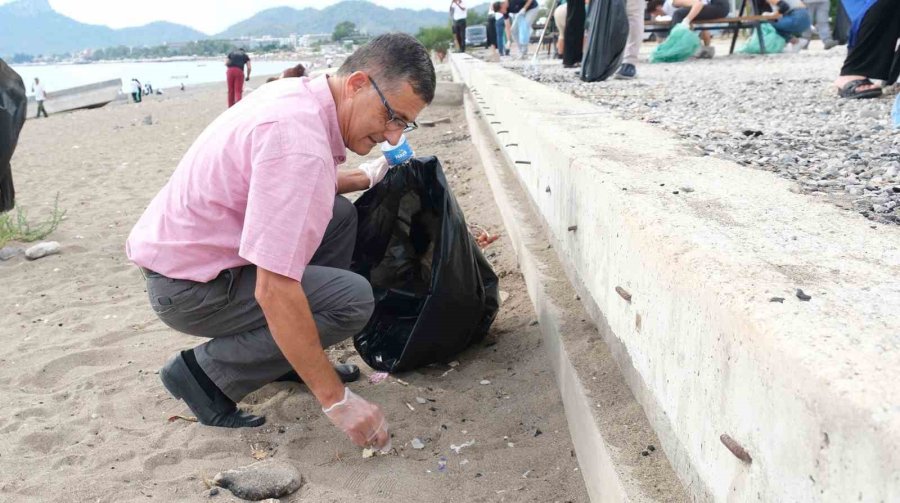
{"x":88,"y":96}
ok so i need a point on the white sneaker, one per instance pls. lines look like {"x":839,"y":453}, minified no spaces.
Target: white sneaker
{"x":803,"y":43}
{"x":792,"y":47}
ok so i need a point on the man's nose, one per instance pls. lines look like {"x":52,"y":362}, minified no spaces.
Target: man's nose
{"x":393,"y":137}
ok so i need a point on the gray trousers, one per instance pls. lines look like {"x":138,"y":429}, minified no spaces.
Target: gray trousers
{"x":241,"y":355}
{"x":819,"y":12}
{"x":634,"y":10}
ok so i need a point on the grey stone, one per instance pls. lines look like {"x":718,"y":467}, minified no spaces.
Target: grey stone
{"x":8,"y":252}
{"x":41,"y":250}
{"x":266,"y":479}
{"x":417,"y":444}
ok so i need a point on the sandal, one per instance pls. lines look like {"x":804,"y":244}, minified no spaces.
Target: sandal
{"x":850,"y":90}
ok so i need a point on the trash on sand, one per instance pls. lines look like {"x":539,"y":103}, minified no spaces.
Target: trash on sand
{"x":525,"y":475}
{"x":416,"y":443}
{"x":442,"y":464}
{"x":401,"y":381}
{"x":432,"y":123}
{"x":456,"y":448}
{"x":176,"y":417}
{"x":368,"y":452}
{"x":377,"y":377}
{"x":485,"y":382}
{"x":410,"y":407}
{"x":447,"y":372}
{"x":421,"y":400}
{"x":453,"y":364}
{"x":803,"y":296}
{"x":464,"y":462}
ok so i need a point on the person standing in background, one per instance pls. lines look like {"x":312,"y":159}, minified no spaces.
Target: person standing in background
{"x":39,"y":96}
{"x":559,"y":17}
{"x":136,"y":90}
{"x":459,"y":23}
{"x":573,"y":45}
{"x":634,"y":10}
{"x":491,"y":30}
{"x":819,"y":11}
{"x":504,"y":36}
{"x":234,"y":75}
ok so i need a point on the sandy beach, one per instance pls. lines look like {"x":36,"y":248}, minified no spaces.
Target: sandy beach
{"x":86,"y":417}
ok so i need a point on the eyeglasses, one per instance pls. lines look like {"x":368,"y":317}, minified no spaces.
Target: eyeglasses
{"x":394,"y":123}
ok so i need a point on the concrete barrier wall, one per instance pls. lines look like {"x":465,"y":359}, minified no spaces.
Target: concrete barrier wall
{"x":809,"y":389}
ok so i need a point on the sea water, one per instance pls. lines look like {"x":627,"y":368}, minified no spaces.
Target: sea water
{"x":161,"y":75}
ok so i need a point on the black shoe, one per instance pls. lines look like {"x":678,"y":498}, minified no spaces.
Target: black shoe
{"x":626,"y":71}
{"x":218,"y":410}
{"x":347,"y":372}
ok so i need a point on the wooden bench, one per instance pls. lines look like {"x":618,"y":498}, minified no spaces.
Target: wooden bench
{"x":753,"y":21}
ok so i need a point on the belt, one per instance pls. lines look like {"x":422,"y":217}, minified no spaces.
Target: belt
{"x":147,"y":272}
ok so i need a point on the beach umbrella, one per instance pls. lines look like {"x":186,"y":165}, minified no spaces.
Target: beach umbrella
{"x":13,"y":107}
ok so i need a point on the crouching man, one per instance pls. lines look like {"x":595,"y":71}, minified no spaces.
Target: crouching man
{"x":249,"y":243}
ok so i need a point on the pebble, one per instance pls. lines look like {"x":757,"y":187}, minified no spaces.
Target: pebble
{"x":485,"y":382}
{"x":266,"y":479}
{"x":421,"y":400}
{"x":8,"y":252}
{"x":41,"y":250}
{"x":417,"y":444}
{"x":784,"y":124}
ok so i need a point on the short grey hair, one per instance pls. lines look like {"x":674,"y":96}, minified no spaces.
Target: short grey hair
{"x":395,"y":58}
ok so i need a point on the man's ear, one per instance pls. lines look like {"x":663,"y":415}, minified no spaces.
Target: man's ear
{"x":356,"y":82}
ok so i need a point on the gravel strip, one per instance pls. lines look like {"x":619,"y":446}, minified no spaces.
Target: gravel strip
{"x":775,"y":112}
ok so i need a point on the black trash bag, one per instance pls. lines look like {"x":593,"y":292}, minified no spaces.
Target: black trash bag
{"x":607,"y":37}
{"x":435,"y":294}
{"x":13,"y":107}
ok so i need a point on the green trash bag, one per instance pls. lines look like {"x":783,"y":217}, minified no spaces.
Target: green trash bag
{"x":681,"y":44}
{"x":774,"y":42}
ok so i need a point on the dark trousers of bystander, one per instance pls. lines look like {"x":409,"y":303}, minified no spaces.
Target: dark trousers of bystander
{"x":235,"y":78}
{"x":875,"y":54}
{"x":459,"y":28}
{"x":573,"y":37}
{"x":41,"y":109}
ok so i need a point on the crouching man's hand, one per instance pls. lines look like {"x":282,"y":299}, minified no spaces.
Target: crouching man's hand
{"x":362,"y":421}
{"x":375,"y":170}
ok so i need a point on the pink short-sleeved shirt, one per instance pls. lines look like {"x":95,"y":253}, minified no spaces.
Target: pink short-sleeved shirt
{"x":256,"y":187}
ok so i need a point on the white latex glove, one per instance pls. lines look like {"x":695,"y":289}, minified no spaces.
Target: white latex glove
{"x":362,"y":421}
{"x":375,"y":170}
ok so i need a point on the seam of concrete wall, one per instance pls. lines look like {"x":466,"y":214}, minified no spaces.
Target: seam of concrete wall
{"x":606,"y":476}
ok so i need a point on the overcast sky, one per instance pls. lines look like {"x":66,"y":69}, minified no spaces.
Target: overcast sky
{"x":208,"y":16}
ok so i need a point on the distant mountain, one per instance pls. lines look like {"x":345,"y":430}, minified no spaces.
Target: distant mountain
{"x":33,"y":27}
{"x":368,"y":17}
